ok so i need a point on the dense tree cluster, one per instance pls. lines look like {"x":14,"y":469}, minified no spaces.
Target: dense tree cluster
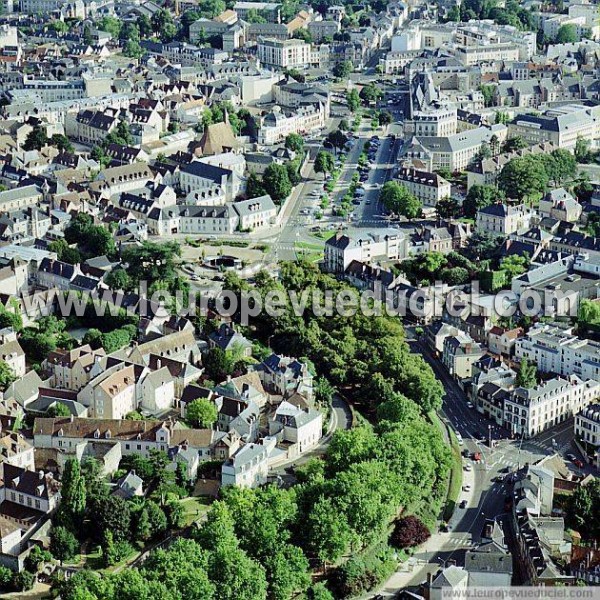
{"x":583,"y":512}
{"x":528,"y":176}
{"x":350,"y":350}
{"x":91,"y":240}
{"x":399,"y":201}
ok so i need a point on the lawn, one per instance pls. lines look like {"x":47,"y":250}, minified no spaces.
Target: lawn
{"x":195,"y":508}
{"x":456,"y":470}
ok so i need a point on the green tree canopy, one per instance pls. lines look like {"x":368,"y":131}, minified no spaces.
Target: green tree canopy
{"x":201,"y":413}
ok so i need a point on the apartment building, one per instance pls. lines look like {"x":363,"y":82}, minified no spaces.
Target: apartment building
{"x":460,"y":353}
{"x":429,"y":188}
{"x":440,"y":122}
{"x":556,"y":350}
{"x":587,"y":425}
{"x":365,"y":247}
{"x":453,"y":152}
{"x":271,"y":11}
{"x":528,"y":412}
{"x":278,"y":124}
{"x":284,"y":54}
{"x":502,"y":219}
{"x":475,"y":55}
{"x":561,"y":125}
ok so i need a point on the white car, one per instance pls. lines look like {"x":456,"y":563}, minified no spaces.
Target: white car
{"x":466,"y":488}
{"x":468,"y":467}
{"x":459,"y":438}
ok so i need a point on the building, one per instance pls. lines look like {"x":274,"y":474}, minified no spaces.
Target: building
{"x":365,"y":247}
{"x":528,"y":412}
{"x":279,"y":123}
{"x":255,"y":213}
{"x":284,"y":54}
{"x":429,"y":188}
{"x":503,"y":219}
{"x":560,"y":205}
{"x":271,"y":11}
{"x":556,"y":350}
{"x":299,"y":429}
{"x":453,"y":152}
{"x":248,"y":467}
{"x":587,"y":426}
{"x":460,"y":353}
{"x":561,"y":125}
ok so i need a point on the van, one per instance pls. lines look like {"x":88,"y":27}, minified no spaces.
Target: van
{"x":459,"y":438}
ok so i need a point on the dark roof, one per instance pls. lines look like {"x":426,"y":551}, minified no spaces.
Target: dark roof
{"x":58,"y":268}
{"x":211,"y":172}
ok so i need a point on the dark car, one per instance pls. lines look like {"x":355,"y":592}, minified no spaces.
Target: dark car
{"x":463,"y":504}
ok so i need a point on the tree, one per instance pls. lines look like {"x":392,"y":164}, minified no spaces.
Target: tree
{"x":73,"y":493}
{"x":6,"y":578}
{"x":23,"y":581}
{"x":201,"y":413}
{"x":328,"y":533}
{"x":409,"y":532}
{"x":111,"y":25}
{"x":7,"y":375}
{"x":277,"y":182}
{"x":344,"y":125}
{"x":588,"y":314}
{"x":478,"y":197}
{"x":582,"y":151}
{"x":294,"y":142}
{"x":523,"y":177}
{"x":324,"y":162}
{"x":209,"y":9}
{"x":567,"y":34}
{"x":112,"y":514}
{"x":564,"y":165}
{"x":370,"y":93}
{"x":118,"y":280}
{"x":398,"y":200}
{"x":337,"y":139}
{"x":303,"y":34}
{"x":343,"y":69}
{"x":64,"y":252}
{"x":36,"y":139}
{"x":61,"y":142}
{"x":36,"y":557}
{"x":489,"y":92}
{"x":63,"y":544}
{"x":527,"y":375}
{"x":384,"y":117}
{"x":584,"y":510}
{"x":254,"y":186}
{"x":448,"y":208}
{"x":353,"y":100}
{"x":514,"y":144}
{"x":58,"y":409}
{"x":514,"y":265}
{"x":133,"y":49}
{"x":144,"y":26}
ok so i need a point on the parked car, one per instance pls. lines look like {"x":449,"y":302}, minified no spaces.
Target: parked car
{"x":578,"y":463}
{"x":463,"y":504}
{"x":571,"y":457}
{"x":466,"y":488}
{"x":470,"y":405}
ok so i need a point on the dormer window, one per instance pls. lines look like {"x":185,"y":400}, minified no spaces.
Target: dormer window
{"x":97,"y":434}
{"x":107,"y":435}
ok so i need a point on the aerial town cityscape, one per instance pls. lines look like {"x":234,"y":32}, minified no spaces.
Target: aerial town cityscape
{"x":299,"y":300}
